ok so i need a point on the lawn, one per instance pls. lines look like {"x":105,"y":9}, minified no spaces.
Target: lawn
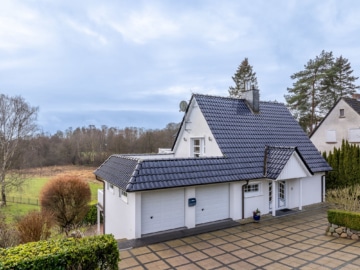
{"x":30,"y":191}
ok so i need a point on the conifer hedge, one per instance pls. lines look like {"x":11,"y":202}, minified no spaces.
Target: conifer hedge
{"x":95,"y":252}
{"x":345,"y":162}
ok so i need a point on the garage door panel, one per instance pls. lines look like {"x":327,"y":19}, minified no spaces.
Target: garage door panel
{"x":212,"y":203}
{"x":162,"y":210}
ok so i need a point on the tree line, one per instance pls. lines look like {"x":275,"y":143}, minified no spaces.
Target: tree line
{"x":91,"y":145}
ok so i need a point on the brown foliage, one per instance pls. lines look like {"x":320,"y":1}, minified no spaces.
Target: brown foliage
{"x":8,"y":235}
{"x":35,"y":226}
{"x":67,"y":198}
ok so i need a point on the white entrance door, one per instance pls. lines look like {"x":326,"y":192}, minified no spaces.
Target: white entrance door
{"x":281,"y":194}
{"x":212,"y":203}
{"x":162,"y":210}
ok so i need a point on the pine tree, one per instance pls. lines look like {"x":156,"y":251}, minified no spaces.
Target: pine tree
{"x":339,"y":82}
{"x":305,"y":96}
{"x":244,"y":78}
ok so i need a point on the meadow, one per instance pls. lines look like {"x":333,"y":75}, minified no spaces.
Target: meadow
{"x":29,"y":192}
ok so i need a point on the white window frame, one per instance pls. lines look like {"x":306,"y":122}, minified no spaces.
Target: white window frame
{"x":197,"y":152}
{"x":253,"y":189}
{"x":123,"y":195}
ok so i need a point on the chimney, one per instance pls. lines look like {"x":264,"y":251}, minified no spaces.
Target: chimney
{"x":252,"y":98}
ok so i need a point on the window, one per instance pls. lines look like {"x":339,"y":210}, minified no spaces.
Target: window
{"x":331,"y":136}
{"x":252,"y":188}
{"x":354,"y":135}
{"x":198,"y":147}
{"x":123,"y":195}
{"x":342,"y":113}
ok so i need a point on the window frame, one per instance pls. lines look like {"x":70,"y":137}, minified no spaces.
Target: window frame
{"x":201,"y":147}
{"x":253,"y":189}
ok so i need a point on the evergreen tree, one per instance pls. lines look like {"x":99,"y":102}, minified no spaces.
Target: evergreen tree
{"x":304,"y":98}
{"x":339,"y":82}
{"x":244,"y":78}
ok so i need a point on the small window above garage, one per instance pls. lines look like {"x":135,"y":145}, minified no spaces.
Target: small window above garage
{"x":342,"y":113}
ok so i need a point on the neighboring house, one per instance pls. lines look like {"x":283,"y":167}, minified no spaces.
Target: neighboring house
{"x":230,"y":157}
{"x":341,"y":123}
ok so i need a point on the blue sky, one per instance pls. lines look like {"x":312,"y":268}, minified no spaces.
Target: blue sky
{"x":130,"y":63}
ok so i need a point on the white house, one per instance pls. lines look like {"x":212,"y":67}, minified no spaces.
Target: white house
{"x":341,"y":123}
{"x":230,"y":157}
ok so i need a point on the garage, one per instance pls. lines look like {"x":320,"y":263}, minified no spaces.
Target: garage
{"x":162,"y":210}
{"x":212,"y":203}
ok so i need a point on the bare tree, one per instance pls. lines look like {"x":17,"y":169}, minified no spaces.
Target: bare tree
{"x":17,"y":122}
{"x":67,"y":198}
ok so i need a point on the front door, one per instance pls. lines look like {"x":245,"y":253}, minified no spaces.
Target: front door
{"x":281,"y":195}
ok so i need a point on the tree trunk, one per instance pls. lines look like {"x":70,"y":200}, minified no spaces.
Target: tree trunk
{"x":3,"y":193}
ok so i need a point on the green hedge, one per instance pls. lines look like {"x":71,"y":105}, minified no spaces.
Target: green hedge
{"x":95,"y":252}
{"x":347,"y":219}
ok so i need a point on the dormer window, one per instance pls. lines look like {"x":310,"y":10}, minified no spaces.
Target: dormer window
{"x":197,"y":147}
{"x":342,"y":113}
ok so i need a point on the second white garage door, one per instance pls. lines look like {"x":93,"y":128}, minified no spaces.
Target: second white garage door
{"x":162,"y":210}
{"x":212,"y":203}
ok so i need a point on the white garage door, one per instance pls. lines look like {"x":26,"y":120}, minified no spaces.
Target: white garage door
{"x":162,"y":210}
{"x":212,"y":203}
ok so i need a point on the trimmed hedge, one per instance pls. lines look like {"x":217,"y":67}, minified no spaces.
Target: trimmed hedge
{"x":347,"y":219}
{"x":95,"y":252}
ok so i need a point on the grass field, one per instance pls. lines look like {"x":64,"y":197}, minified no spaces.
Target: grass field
{"x":30,"y":191}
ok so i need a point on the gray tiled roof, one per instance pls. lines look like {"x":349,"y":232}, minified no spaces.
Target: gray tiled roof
{"x":353,"y":103}
{"x":242,"y":137}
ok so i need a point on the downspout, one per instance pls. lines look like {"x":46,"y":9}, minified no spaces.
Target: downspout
{"x":323,"y":187}
{"x":243,"y":198}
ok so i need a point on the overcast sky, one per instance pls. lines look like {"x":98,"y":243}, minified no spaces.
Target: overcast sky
{"x":130,"y":63}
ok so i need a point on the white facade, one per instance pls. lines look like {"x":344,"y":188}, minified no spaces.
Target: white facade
{"x":146,"y":212}
{"x":343,"y":122}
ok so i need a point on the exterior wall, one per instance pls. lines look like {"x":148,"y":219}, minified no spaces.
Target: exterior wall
{"x":260,"y":200}
{"x":341,"y":125}
{"x":311,"y":189}
{"x":119,"y":215}
{"x":235,"y":200}
{"x":195,"y":126}
{"x":189,"y":210}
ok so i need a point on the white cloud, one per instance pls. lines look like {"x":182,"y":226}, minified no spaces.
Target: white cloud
{"x":86,"y":30}
{"x":22,"y":27}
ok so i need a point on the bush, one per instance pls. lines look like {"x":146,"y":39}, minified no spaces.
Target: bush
{"x":9,"y":236}
{"x":96,"y":252}
{"x":347,"y":219}
{"x":35,"y":226}
{"x":67,"y":197}
{"x":91,"y":216}
{"x":347,"y":198}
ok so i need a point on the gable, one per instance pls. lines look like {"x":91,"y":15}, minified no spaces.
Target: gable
{"x":336,"y":127}
{"x":194,"y":125}
{"x":294,"y":168}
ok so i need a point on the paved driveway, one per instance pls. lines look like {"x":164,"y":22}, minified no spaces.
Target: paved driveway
{"x":295,"y":241}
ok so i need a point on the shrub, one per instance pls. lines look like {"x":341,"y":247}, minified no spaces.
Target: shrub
{"x":347,"y":198}
{"x":91,"y":216}
{"x":35,"y":226}
{"x":347,"y":219}
{"x":96,"y":252}
{"x":67,"y":198}
{"x":9,"y":236}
